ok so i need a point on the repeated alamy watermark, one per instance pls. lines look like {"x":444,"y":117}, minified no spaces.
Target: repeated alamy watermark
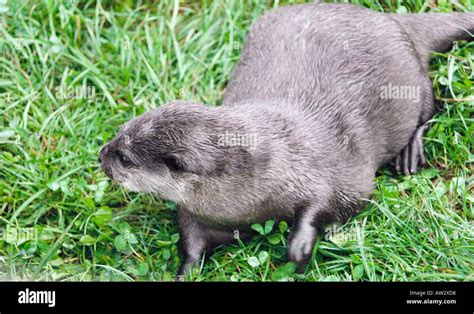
{"x":237,"y":139}
{"x":86,"y":92}
{"x":408,"y":92}
{"x":17,"y":236}
{"x":340,"y":235}
{"x":3,"y":6}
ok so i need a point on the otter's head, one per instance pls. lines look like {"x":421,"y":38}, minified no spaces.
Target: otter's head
{"x":167,"y":151}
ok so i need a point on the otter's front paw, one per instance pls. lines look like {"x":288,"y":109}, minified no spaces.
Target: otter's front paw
{"x":179,"y":278}
{"x":187,"y":267}
{"x":300,"y":248}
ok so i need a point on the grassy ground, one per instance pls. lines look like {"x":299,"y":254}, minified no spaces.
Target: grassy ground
{"x":72,"y":72}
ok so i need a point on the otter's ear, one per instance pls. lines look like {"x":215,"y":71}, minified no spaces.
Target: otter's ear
{"x":212,"y":160}
{"x":173,"y":163}
{"x":198,"y":153}
{"x":198,"y":160}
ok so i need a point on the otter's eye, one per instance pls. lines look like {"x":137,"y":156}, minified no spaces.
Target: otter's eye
{"x":172,"y":164}
{"x":124,"y":160}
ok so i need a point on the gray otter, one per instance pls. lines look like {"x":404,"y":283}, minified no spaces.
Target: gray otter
{"x":324,"y":95}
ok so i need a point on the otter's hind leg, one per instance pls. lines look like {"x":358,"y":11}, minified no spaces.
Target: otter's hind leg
{"x":413,"y":154}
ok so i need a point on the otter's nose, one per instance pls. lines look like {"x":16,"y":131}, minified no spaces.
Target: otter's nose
{"x":102,"y":153}
{"x":104,"y":164}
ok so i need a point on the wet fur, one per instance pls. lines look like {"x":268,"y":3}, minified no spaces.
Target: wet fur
{"x":307,"y":92}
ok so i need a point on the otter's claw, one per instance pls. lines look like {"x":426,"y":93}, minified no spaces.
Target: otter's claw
{"x":407,"y":161}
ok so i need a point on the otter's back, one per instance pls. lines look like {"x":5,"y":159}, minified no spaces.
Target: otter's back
{"x":332,"y":61}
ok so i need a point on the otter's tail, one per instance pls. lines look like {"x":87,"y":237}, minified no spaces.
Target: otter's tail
{"x":436,"y":31}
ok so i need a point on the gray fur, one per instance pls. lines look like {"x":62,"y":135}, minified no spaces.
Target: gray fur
{"x":302,"y":130}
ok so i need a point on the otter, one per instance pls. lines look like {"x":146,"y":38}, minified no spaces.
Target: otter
{"x":322,"y":97}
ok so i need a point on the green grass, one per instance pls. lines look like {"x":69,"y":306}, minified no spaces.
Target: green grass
{"x":62,"y":219}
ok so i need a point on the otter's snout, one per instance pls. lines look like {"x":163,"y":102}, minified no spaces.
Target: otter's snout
{"x":104,"y":161}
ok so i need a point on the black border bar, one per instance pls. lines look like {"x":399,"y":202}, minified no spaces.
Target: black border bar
{"x":242,"y":297}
